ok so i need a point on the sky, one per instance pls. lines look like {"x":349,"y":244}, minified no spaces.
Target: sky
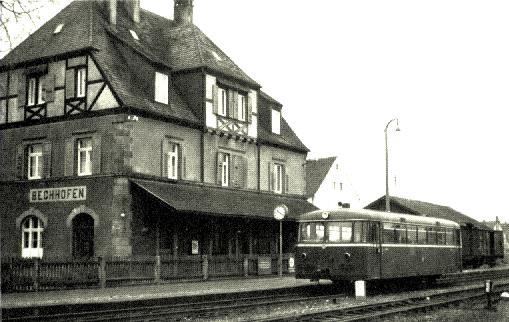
{"x":344,"y":69}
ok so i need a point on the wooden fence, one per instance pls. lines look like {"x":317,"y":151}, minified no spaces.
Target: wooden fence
{"x":19,"y":275}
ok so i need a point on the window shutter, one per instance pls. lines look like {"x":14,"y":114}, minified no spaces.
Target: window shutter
{"x":231,"y":103}
{"x":22,"y":90}
{"x":96,"y":154}
{"x":242,"y":173}
{"x":181,"y":162}
{"x":249,"y":107}
{"x":219,"y":167}
{"x":48,"y":88}
{"x":287,"y":181}
{"x":234,"y":166}
{"x":164,"y":158}
{"x":235,"y":105}
{"x":69,"y":83}
{"x":20,"y":161}
{"x":271,"y":177}
{"x":215,"y":99}
{"x":46,"y":157}
{"x":69,"y":157}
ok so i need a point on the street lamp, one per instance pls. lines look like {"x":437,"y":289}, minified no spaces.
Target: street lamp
{"x":387,"y":198}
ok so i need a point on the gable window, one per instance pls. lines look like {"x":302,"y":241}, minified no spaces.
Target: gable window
{"x":81,"y":78}
{"x":173,"y":160}
{"x":84,"y":156}
{"x":76,"y":82}
{"x":161,"y":88}
{"x":35,"y":91}
{"x":31,"y":237}
{"x":241,"y":106}
{"x":223,"y":101}
{"x":276,"y":122}
{"x":278,"y":178}
{"x":35,"y":161}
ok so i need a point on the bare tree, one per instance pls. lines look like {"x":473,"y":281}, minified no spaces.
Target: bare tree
{"x":18,"y":18}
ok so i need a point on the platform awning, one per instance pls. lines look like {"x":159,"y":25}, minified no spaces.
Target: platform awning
{"x":221,"y":201}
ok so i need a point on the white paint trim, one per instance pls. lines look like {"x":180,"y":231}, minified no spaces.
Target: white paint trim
{"x":375,"y":245}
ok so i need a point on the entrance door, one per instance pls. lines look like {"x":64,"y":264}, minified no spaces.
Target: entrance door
{"x":83,"y":236}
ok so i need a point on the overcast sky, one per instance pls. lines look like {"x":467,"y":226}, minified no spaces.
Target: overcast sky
{"x":343,"y":69}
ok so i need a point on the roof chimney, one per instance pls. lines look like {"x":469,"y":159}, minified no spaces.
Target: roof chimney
{"x":183,"y":12}
{"x":133,"y":9}
{"x":112,"y":8}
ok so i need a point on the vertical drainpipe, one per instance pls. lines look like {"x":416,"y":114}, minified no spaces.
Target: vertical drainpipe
{"x":259,"y":166}
{"x":204,"y":132}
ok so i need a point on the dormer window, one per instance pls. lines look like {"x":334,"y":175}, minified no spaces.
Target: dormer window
{"x":161,"y":88}
{"x":276,"y":122}
{"x":58,"y":29}
{"x":134,"y":34}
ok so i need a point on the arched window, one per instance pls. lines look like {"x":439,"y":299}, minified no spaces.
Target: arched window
{"x":31,"y":237}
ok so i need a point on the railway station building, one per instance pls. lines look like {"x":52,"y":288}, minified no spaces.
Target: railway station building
{"x":123,"y":133}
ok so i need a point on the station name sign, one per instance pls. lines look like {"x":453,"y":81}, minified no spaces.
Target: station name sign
{"x":58,"y":194}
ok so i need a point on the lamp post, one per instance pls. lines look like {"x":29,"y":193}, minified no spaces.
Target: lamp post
{"x":387,"y":198}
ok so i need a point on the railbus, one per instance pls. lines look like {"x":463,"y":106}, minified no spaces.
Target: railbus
{"x":350,"y":245}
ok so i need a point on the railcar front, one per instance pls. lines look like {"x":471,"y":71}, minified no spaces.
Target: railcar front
{"x":350,"y":245}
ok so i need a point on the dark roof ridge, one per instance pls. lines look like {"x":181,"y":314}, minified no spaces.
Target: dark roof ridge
{"x":326,"y":158}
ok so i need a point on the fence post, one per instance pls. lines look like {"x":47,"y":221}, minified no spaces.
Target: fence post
{"x":157,"y":269}
{"x":102,"y":272}
{"x":246,"y":266}
{"x":36,"y":274}
{"x":205,"y":267}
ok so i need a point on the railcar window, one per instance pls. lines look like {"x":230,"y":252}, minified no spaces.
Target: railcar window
{"x":440,"y":236}
{"x":449,"y":237}
{"x":373,"y":232}
{"x":412,"y":234}
{"x":359,"y":232}
{"x":312,"y":232}
{"x":340,"y":231}
{"x":334,"y":232}
{"x":432,"y":235}
{"x":400,"y":231}
{"x":389,"y":234}
{"x":421,"y":235}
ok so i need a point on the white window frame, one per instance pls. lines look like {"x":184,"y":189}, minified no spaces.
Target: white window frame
{"x":31,"y":227}
{"x":278,"y":177}
{"x":222,"y":95}
{"x":276,"y":121}
{"x":34,"y":91}
{"x":173,"y":160}
{"x":85,"y":147}
{"x":81,"y":82}
{"x":241,"y":107}
{"x":161,"y":88}
{"x":35,"y":161}
{"x":225,"y":170}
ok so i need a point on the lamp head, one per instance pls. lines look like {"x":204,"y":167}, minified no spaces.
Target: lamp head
{"x":397,"y":125}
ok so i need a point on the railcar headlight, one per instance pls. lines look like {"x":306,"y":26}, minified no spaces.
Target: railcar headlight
{"x":347,"y":256}
{"x":303,"y":255}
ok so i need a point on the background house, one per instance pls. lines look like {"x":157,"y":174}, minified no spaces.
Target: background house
{"x":328,"y":185}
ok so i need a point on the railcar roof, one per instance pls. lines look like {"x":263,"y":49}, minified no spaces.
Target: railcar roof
{"x":365,"y":214}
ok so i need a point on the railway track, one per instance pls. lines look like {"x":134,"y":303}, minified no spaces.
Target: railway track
{"x":192,"y":309}
{"x":242,"y":305}
{"x":377,"y":311}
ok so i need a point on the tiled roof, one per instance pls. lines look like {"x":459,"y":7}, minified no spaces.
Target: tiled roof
{"x":417,"y":207}
{"x":129,"y":64}
{"x":161,"y":40}
{"x":287,"y":138}
{"x":316,"y":170}
{"x":233,"y":202}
